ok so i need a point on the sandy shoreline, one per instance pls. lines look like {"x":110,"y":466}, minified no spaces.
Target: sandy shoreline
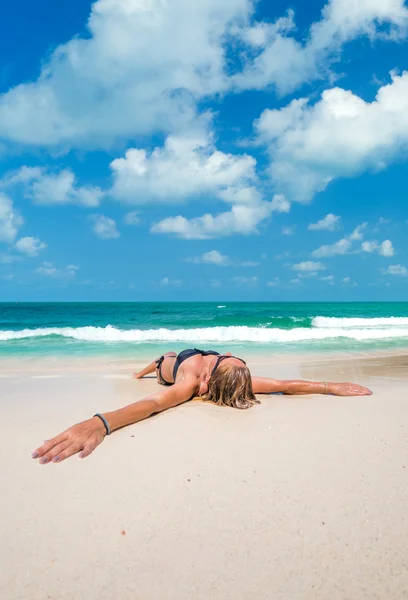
{"x":301,"y":497}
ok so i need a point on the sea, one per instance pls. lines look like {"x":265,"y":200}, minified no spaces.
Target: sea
{"x":150,"y":328}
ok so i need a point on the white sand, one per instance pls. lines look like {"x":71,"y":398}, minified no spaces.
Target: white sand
{"x":300,"y":498}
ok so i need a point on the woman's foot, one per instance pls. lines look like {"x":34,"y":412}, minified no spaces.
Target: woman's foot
{"x":348,"y":389}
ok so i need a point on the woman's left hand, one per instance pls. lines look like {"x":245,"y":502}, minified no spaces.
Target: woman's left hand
{"x":83,"y":437}
{"x":348,"y":389}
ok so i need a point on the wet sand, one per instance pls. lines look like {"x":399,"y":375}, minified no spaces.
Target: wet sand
{"x":299,"y":498}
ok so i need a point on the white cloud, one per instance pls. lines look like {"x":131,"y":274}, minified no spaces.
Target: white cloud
{"x":144,"y":64}
{"x":140,"y":70}
{"x":240,"y":220}
{"x":288,"y":230}
{"x":72,"y":270}
{"x":131,"y":218}
{"x":247,"y":263}
{"x":10,"y":220}
{"x":213,"y":257}
{"x":47,"y":188}
{"x":341,"y":135}
{"x":395,"y":270}
{"x":186,"y":167}
{"x":329,"y":279}
{"x":308,"y":266}
{"x":384,"y":248}
{"x":283,"y":61}
{"x":330,"y":223}
{"x":369,"y":246}
{"x":341,"y":247}
{"x":346,"y":280}
{"x":104,"y":227}
{"x":296,"y":280}
{"x":47,"y":269}
{"x":31,"y":246}
{"x":280,"y":204}
{"x":358,"y":233}
{"x":249,"y":281}
{"x":274,"y":283}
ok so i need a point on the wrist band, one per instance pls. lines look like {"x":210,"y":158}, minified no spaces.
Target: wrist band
{"x":325,"y":387}
{"x":105,"y":422}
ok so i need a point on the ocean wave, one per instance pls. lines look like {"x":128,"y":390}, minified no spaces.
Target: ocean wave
{"x":207,"y":334}
{"x":359,"y":322}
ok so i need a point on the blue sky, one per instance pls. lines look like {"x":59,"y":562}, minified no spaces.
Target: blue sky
{"x":184,"y":150}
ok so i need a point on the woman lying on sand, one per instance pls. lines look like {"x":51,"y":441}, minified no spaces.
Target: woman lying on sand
{"x":222,"y":379}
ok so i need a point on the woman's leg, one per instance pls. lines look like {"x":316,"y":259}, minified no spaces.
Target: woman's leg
{"x":146,"y":371}
{"x":152,"y":367}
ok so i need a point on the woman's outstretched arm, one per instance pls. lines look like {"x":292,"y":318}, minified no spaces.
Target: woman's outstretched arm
{"x":86,"y":436}
{"x":265,"y":385}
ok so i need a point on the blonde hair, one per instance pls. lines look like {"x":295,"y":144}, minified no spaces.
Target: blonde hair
{"x":231,"y":385}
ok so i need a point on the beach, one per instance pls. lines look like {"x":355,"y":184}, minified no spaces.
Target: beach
{"x":300,"y":497}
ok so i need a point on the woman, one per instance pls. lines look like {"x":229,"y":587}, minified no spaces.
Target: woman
{"x":223,"y":379}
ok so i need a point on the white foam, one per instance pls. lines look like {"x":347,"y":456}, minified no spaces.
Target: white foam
{"x":210,"y":334}
{"x":359,"y":322}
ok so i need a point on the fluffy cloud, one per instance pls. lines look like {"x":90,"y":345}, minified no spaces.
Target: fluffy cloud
{"x":245,"y":281}
{"x":281,"y":60}
{"x":48,"y":188}
{"x":358,"y":233}
{"x":343,"y":246}
{"x":395,"y":270}
{"x":384,"y":248}
{"x":141,"y":70}
{"x":186,"y":166}
{"x":144,"y":64}
{"x":31,"y":246}
{"x":240,"y":220}
{"x":10,"y":220}
{"x":308,"y":266}
{"x":329,"y":279}
{"x":330,"y":223}
{"x":104,"y":227}
{"x":47,"y":269}
{"x":280,"y":204}
{"x":213,"y":257}
{"x":131,"y":218}
{"x":340,"y":136}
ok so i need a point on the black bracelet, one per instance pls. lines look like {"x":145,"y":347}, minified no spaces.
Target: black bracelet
{"x":105,"y":422}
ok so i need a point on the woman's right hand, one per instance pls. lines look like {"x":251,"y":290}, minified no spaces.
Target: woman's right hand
{"x":83,"y":437}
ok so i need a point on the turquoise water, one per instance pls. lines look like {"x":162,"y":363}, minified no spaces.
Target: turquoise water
{"x":151,"y":328}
